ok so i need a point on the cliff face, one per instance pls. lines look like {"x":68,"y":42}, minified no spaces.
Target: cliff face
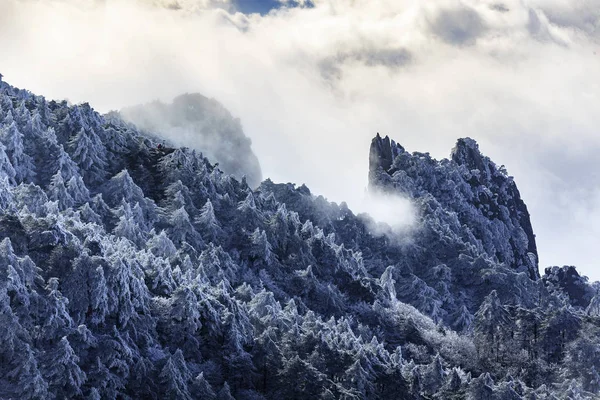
{"x":469,"y":189}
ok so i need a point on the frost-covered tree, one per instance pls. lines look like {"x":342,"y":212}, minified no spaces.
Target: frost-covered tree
{"x":173,"y":378}
{"x":121,"y":186}
{"x":201,"y":389}
{"x":261,"y":248}
{"x":89,"y":154}
{"x":493,"y":326}
{"x":434,"y":375}
{"x":208,"y":224}
{"x":6,"y":168}
{"x":78,"y":190}
{"x":225,"y":393}
{"x":181,"y":229}
{"x":57,"y":191}
{"x":129,"y":225}
{"x":57,"y":320}
{"x":22,"y":162}
{"x":62,"y":371}
{"x":6,"y":196}
{"x":160,"y":245}
{"x":29,"y":383}
{"x":31,"y":196}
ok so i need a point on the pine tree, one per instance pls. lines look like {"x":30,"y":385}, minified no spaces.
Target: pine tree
{"x":78,"y":191}
{"x":462,"y":319}
{"x":261,"y":248}
{"x":248,"y":213}
{"x":225,"y":393}
{"x":31,"y":196}
{"x":98,"y":296}
{"x":89,"y":154}
{"x":388,"y":284}
{"x":299,"y":380}
{"x":87,"y":214}
{"x":57,"y":322}
{"x":181,"y":229}
{"x":201,"y":389}
{"x":49,"y":157}
{"x":359,"y":378}
{"x":6,"y":196}
{"x":102,"y":209}
{"x":492,"y":324}
{"x":160,"y":245}
{"x":119,"y":295}
{"x":29,"y":381}
{"x":12,"y":138}
{"x":62,"y":370}
{"x":434,"y":375}
{"x":481,"y":388}
{"x":593,"y":309}
{"x":78,"y":288}
{"x":57,"y":191}
{"x":121,"y":186}
{"x":128,"y":226}
{"x":6,"y":168}
{"x":12,"y":332}
{"x":173,"y":379}
{"x":65,"y":165}
{"x":184,"y":324}
{"x":208,"y":224}
{"x":101,"y":378}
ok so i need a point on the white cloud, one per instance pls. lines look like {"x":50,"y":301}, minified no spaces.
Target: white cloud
{"x":389,"y":214}
{"x":313,"y":85}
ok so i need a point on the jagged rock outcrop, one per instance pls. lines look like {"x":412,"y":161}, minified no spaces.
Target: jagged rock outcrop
{"x":471,"y":194}
{"x":195,"y":121}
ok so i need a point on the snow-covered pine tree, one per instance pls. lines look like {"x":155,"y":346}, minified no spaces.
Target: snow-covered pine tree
{"x":12,"y":139}
{"x":6,"y":168}
{"x":62,"y":371}
{"x":58,"y":192}
{"x":89,"y":154}
{"x":209,"y":226}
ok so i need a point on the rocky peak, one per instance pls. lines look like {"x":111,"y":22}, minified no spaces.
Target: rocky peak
{"x":492,"y":217}
{"x":383,"y":152}
{"x":466,"y":152}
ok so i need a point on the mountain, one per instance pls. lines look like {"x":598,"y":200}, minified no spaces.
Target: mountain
{"x":133,"y":271}
{"x":199,"y":122}
{"x":475,"y":198}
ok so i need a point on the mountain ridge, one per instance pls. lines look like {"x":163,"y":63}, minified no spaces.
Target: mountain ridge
{"x":131,"y":271}
{"x":482,"y":195}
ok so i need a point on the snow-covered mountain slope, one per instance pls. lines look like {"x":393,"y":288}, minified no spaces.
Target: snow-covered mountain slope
{"x":128,"y":271}
{"x":476,"y":199}
{"x":196,"y":121}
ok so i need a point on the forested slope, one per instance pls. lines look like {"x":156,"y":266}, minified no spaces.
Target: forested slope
{"x":128,"y":271}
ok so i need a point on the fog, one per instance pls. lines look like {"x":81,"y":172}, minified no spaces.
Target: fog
{"x":312,"y":85}
{"x":389,"y":214}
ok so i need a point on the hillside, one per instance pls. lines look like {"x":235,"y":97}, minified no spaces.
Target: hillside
{"x":132,"y":271}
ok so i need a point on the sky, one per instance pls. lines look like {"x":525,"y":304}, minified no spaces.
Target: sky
{"x":312,"y":83}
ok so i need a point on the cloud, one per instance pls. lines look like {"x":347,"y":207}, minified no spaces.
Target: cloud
{"x":312,"y":85}
{"x":388,"y":214}
{"x":370,"y":56}
{"x":459,"y":25}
